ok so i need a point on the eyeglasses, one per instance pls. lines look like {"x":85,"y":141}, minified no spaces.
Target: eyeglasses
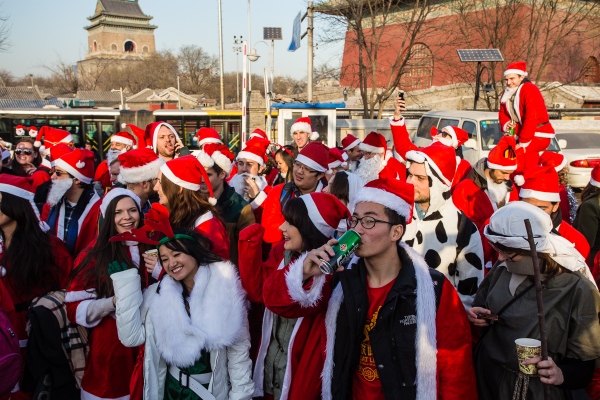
{"x":27,"y":152}
{"x":366,"y":222}
{"x":507,"y":255}
{"x":61,"y":173}
{"x":304,"y":168}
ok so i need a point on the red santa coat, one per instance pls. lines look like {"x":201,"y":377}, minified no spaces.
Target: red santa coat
{"x":102,"y":175}
{"x":40,"y":176}
{"x":403,"y":144}
{"x":88,"y":223}
{"x":306,"y":347}
{"x":109,"y":365}
{"x":533,"y":129}
{"x":211,"y":227}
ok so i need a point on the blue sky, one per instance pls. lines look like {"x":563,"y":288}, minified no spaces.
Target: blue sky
{"x":44,"y":30}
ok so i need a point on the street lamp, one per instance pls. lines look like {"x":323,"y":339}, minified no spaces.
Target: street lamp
{"x":120,"y":91}
{"x":237,"y":49}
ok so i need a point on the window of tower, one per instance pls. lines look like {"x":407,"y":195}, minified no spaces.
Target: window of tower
{"x":95,"y":47}
{"x":129,"y":47}
{"x":145,"y":50}
{"x":113,"y":47}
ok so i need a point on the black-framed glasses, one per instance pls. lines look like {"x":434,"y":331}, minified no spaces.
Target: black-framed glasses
{"x":366,"y":222}
{"x":299,"y":165}
{"x":27,"y":152}
{"x":507,"y":255}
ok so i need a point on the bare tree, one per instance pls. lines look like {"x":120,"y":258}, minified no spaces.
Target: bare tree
{"x":62,"y":76}
{"x":4,"y":32}
{"x":327,"y":71}
{"x":197,"y":67}
{"x":377,"y":59}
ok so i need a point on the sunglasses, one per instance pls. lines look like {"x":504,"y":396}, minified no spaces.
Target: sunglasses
{"x":27,"y":152}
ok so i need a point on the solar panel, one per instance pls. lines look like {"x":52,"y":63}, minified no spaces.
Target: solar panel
{"x":478,"y":55}
{"x":272,"y":34}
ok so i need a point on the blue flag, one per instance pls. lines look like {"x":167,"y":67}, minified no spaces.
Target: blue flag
{"x":296,"y":35}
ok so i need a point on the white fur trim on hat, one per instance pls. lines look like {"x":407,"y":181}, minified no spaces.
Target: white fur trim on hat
{"x":594,"y":182}
{"x":64,"y":165}
{"x":316,"y":218}
{"x":22,"y":193}
{"x":386,"y":199}
{"x":519,"y":180}
{"x":310,"y":163}
{"x":122,"y":140}
{"x":301,"y":126}
{"x":205,"y":159}
{"x":561,"y":165}
{"x":371,"y":149}
{"x":352,"y":145}
{"x":543,"y":196}
{"x":179,"y":182}
{"x":452,"y":135}
{"x":222,"y":161}
{"x":251,"y":156}
{"x":420,"y":157}
{"x":314,"y":136}
{"x":501,"y":167}
{"x":142,"y":173}
{"x":207,"y":140}
{"x":515,"y":71}
{"x":113,"y":194}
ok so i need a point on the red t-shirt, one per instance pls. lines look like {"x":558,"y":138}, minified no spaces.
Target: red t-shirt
{"x":366,"y":384}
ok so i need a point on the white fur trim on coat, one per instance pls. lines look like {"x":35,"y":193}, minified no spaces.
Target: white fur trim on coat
{"x":81,"y":314}
{"x":293,"y":279}
{"x":218,"y":307}
{"x":387,"y":199}
{"x":143,"y":173}
{"x":79,"y":295}
{"x":393,"y":122}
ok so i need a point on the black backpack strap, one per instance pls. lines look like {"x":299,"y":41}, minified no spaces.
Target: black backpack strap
{"x":286,"y":193}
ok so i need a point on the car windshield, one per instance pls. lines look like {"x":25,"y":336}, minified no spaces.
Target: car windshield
{"x":580,"y":140}
{"x":490,"y":133}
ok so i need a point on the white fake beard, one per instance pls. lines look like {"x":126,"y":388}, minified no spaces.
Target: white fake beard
{"x":239,"y":182}
{"x":58,"y":188}
{"x":369,"y":169}
{"x":497,"y":191}
{"x":113,"y":154}
{"x":443,"y":140}
{"x":507,"y":93}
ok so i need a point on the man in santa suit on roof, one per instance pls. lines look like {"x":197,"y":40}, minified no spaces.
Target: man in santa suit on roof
{"x":377,"y":161}
{"x":524,"y":114}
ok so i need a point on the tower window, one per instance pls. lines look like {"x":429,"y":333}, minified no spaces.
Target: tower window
{"x":145,"y":49}
{"x":95,"y":47}
{"x":129,"y":47}
{"x":113,"y":47}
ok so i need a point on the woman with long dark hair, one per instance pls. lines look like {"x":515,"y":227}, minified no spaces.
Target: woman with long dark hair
{"x":290,"y":355}
{"x":27,"y":162}
{"x":90,"y":297}
{"x":285,"y":157}
{"x":193,"y":322}
{"x":32,"y":261}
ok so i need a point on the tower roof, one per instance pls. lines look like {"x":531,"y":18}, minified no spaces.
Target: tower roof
{"x":127,"y":8}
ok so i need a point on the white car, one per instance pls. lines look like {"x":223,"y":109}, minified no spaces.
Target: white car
{"x":582,"y":150}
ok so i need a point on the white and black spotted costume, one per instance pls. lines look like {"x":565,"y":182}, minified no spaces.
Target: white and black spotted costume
{"x":448,"y":240}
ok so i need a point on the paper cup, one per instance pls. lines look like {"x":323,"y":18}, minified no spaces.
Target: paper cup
{"x":528,"y":348}
{"x":152,"y":252}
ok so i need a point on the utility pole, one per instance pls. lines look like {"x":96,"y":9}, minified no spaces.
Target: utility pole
{"x":237,"y":49}
{"x":249,"y":44}
{"x":178,"y":94}
{"x":221,"y":56}
{"x":309,"y":32}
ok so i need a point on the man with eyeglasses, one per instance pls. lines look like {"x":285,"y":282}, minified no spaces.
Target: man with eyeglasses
{"x":308,"y":173}
{"x":440,"y":232}
{"x":393,"y":328}
{"x":452,"y":136}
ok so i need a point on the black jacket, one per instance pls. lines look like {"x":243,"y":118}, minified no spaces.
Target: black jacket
{"x":392,"y":339}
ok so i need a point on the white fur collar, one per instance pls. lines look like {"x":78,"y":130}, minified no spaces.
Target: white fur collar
{"x":218,"y":314}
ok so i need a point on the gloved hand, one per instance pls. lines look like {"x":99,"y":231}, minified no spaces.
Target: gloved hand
{"x":252,"y":233}
{"x":115,"y":266}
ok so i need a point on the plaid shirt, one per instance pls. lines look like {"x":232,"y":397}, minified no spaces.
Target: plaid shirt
{"x":68,"y":214}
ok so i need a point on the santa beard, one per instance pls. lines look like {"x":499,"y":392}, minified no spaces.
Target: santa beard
{"x":369,"y":169}
{"x":58,"y":188}
{"x":238,"y":183}
{"x":443,"y":140}
{"x":508,"y":92}
{"x":113,"y":154}
{"x":497,"y":191}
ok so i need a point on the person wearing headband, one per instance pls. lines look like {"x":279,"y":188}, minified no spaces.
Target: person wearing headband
{"x":91,"y":302}
{"x":284,"y":157}
{"x":571,"y":305}
{"x":193,"y":322}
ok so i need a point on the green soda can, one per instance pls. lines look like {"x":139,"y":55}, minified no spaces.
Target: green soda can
{"x":344,"y":249}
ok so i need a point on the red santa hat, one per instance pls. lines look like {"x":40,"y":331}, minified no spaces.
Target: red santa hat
{"x":207,"y":135}
{"x":139,"y":165}
{"x":79,"y":163}
{"x":151,"y":133}
{"x":21,"y":187}
{"x":33,"y":131}
{"x":325,"y":211}
{"x":459,"y":136}
{"x":188,"y":173}
{"x":113,"y":194}
{"x":254,"y":152}
{"x":552,"y":159}
{"x":391,"y":193}
{"x":315,"y":155}
{"x":440,"y":158}
{"x":541,"y":183}
{"x":125,"y":138}
{"x":52,"y":136}
{"x":517,"y":67}
{"x":374,"y":143}
{"x":138,"y":133}
{"x":213,"y":153}
{"x":259,"y":133}
{"x":504,"y":155}
{"x":58,"y":151}
{"x":335,"y":159}
{"x":20,"y":130}
{"x":303,"y":124}
{"x":350,"y":142}
{"x":595,"y":176}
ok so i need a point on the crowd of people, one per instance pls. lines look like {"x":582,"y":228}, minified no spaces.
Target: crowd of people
{"x":174,"y":273}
